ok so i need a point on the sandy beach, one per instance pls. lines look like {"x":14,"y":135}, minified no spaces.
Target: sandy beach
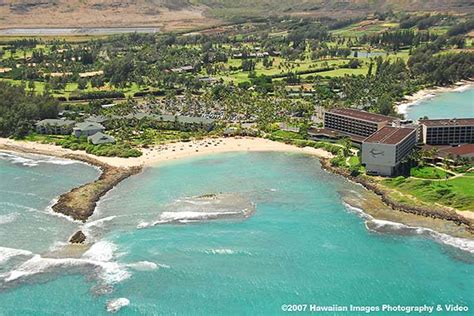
{"x":172,"y":151}
{"x":410,"y":100}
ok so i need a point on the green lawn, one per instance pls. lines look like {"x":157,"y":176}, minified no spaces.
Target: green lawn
{"x":353,"y":161}
{"x":457,"y":192}
{"x":286,"y":135}
{"x":428,"y":172}
{"x":73,"y":87}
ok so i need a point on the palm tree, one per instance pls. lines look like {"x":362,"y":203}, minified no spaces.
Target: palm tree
{"x":433,"y":153}
{"x":347,"y":145}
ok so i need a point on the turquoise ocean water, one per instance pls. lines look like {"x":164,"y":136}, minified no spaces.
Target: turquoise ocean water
{"x":158,"y":249}
{"x":455,"y":104}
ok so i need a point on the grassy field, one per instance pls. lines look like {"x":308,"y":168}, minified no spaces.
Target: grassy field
{"x":428,"y":172}
{"x":456,"y":192}
{"x":353,"y":161}
{"x":73,"y":87}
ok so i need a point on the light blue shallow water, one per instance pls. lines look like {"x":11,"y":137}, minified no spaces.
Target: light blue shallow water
{"x":456,"y":104}
{"x":302,"y":245}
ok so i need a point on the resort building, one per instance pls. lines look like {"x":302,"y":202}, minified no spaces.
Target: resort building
{"x":451,"y":152}
{"x":383,"y":151}
{"x":289,"y":128}
{"x":355,"y":122}
{"x":54,"y":126}
{"x":447,"y":131}
{"x":87,"y":129}
{"x":186,"y":121}
{"x":100,"y":138}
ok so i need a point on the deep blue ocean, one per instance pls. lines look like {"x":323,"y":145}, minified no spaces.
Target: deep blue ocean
{"x":228,"y":234}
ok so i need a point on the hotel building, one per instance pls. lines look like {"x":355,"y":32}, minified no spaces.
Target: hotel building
{"x":383,"y":151}
{"x":355,"y":122}
{"x":447,"y":131}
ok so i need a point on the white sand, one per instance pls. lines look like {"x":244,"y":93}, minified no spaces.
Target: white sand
{"x":158,"y":154}
{"x":425,"y":94}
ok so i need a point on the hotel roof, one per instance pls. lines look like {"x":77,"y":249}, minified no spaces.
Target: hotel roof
{"x":389,"y":135}
{"x":331,"y":133}
{"x":464,"y":150}
{"x":362,"y":115}
{"x":448,"y":122}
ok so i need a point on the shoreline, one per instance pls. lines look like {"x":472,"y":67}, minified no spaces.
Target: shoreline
{"x":428,"y":93}
{"x":155,"y":155}
{"x":460,"y":218}
{"x":114,"y":170}
{"x":80,"y":202}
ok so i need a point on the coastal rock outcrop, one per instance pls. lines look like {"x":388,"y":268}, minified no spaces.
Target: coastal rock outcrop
{"x":79,"y":203}
{"x":78,"y":238}
{"x":433,"y":212}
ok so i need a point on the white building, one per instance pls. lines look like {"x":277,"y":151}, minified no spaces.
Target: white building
{"x":383,"y":151}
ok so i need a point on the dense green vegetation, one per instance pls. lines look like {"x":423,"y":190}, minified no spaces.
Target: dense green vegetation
{"x":122,"y":150}
{"x":19,"y":109}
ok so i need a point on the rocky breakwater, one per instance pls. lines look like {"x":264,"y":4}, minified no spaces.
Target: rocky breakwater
{"x":80,"y":202}
{"x":436,"y":212}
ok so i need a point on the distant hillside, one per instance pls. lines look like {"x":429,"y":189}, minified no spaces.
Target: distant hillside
{"x":185,"y":14}
{"x":168,"y":14}
{"x":229,"y":8}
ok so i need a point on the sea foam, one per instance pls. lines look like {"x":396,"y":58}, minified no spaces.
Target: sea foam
{"x":97,"y":258}
{"x":115,"y":305}
{"x":34,"y":160}
{"x":379,"y":225}
{"x":8,"y":253}
{"x":186,"y":217}
{"x":8,"y":218}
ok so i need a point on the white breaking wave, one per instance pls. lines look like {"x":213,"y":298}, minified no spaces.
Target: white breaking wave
{"x":376,"y":224}
{"x":8,"y":253}
{"x":457,"y":242}
{"x":99,"y":222}
{"x":193,"y":216}
{"x":8,"y":218}
{"x":115,"y":305}
{"x":143,"y":266}
{"x":98,"y":256}
{"x":403,"y":107}
{"x":101,"y":251}
{"x":220,"y":251}
{"x":34,"y":160}
{"x":90,"y":227}
{"x":225,"y":251}
{"x":464,"y":88}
